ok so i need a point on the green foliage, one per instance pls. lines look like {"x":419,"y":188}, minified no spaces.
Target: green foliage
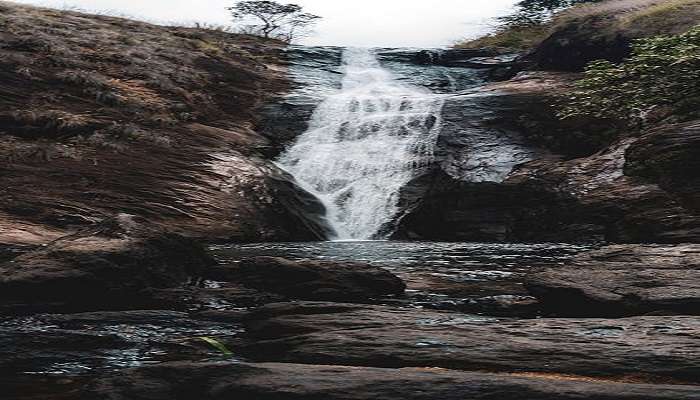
{"x":217,"y":345}
{"x":661,"y":77}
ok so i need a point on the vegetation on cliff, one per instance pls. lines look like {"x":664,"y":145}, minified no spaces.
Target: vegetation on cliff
{"x":661,"y":78}
{"x":590,"y":20}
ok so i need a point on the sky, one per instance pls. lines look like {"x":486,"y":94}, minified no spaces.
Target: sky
{"x":367,"y":23}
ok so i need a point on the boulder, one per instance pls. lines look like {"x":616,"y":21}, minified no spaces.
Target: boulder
{"x":312,"y":279}
{"x":376,"y":336}
{"x":273,"y":381}
{"x":111,"y":265}
{"x":622,"y":280}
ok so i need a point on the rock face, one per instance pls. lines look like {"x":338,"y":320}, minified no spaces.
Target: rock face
{"x":384,"y":337}
{"x":636,"y":189}
{"x":166,"y":132}
{"x":109,"y":265}
{"x":623,"y":280}
{"x":314,"y":72}
{"x":312,"y":280}
{"x":670,"y":157}
{"x":274,"y":381}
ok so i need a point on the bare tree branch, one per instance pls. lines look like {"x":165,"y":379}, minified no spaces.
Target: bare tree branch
{"x":270,"y":19}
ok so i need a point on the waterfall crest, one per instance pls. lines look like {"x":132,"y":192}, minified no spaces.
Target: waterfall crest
{"x":364,"y":143}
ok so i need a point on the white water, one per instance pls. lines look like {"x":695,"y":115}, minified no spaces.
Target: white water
{"x":364,"y":143}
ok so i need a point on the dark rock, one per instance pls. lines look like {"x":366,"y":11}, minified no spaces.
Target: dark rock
{"x":586,"y":199}
{"x":443,"y":208}
{"x":441,"y":57}
{"x":270,"y":381}
{"x":573,"y":46}
{"x":312,"y":280}
{"x":622,"y":280}
{"x":385,"y":337}
{"x":108,"y":266}
{"x":669,"y":156}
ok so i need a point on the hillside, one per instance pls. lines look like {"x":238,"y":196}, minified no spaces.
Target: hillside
{"x":586,"y":32}
{"x":102,"y":115}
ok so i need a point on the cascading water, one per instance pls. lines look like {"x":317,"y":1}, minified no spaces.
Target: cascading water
{"x":364,"y":143}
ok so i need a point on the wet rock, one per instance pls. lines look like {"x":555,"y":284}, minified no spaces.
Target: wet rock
{"x":314,"y":71}
{"x":82,"y":344}
{"x":312,"y":279}
{"x":654,"y":347}
{"x":213,"y":296}
{"x":108,"y":266}
{"x":439,"y":57}
{"x":272,"y":381}
{"x":623,"y":280}
{"x":440,"y":207}
{"x":585,"y":199}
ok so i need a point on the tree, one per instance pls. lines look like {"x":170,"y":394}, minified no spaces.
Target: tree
{"x":270,"y":19}
{"x":536,"y":12}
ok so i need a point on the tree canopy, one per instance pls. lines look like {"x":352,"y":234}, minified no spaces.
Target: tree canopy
{"x":270,"y":19}
{"x":535,"y":12}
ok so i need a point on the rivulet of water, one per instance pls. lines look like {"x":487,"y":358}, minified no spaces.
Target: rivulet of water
{"x":364,"y":143}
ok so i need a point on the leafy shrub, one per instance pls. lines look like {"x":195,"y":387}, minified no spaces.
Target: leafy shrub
{"x":662,"y":77}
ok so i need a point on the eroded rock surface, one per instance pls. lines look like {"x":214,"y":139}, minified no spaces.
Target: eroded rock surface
{"x":636,"y":189}
{"x":274,"y":381}
{"x":341,"y":334}
{"x":623,"y":280}
{"x":108,"y":266}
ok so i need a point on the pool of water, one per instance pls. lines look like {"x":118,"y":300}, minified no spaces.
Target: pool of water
{"x":437,"y":274}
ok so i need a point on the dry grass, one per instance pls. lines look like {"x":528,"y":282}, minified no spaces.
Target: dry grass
{"x":96,"y":117}
{"x":636,"y":18}
{"x":513,"y":38}
{"x":117,"y":68}
{"x":631,"y":18}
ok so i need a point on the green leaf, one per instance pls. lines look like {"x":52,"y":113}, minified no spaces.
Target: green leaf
{"x":217,"y":345}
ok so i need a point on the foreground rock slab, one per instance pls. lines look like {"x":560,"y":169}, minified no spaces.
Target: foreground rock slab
{"x":108,"y":266}
{"x":271,"y":381}
{"x":376,"y":336}
{"x":312,"y":279}
{"x":623,"y":280}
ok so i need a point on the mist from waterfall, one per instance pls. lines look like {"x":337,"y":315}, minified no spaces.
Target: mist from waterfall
{"x":364,"y":143}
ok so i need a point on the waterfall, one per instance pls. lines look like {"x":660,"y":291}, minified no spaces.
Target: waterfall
{"x":364,"y":143}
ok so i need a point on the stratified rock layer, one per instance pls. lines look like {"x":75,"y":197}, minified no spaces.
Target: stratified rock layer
{"x":341,"y":334}
{"x":623,"y":280}
{"x":273,"y":381}
{"x":108,"y":266}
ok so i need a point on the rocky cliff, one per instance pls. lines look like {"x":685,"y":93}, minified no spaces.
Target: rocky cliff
{"x":103,"y":115}
{"x":590,"y":180}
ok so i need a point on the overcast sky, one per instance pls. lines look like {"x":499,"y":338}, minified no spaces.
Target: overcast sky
{"x":419,"y":23}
